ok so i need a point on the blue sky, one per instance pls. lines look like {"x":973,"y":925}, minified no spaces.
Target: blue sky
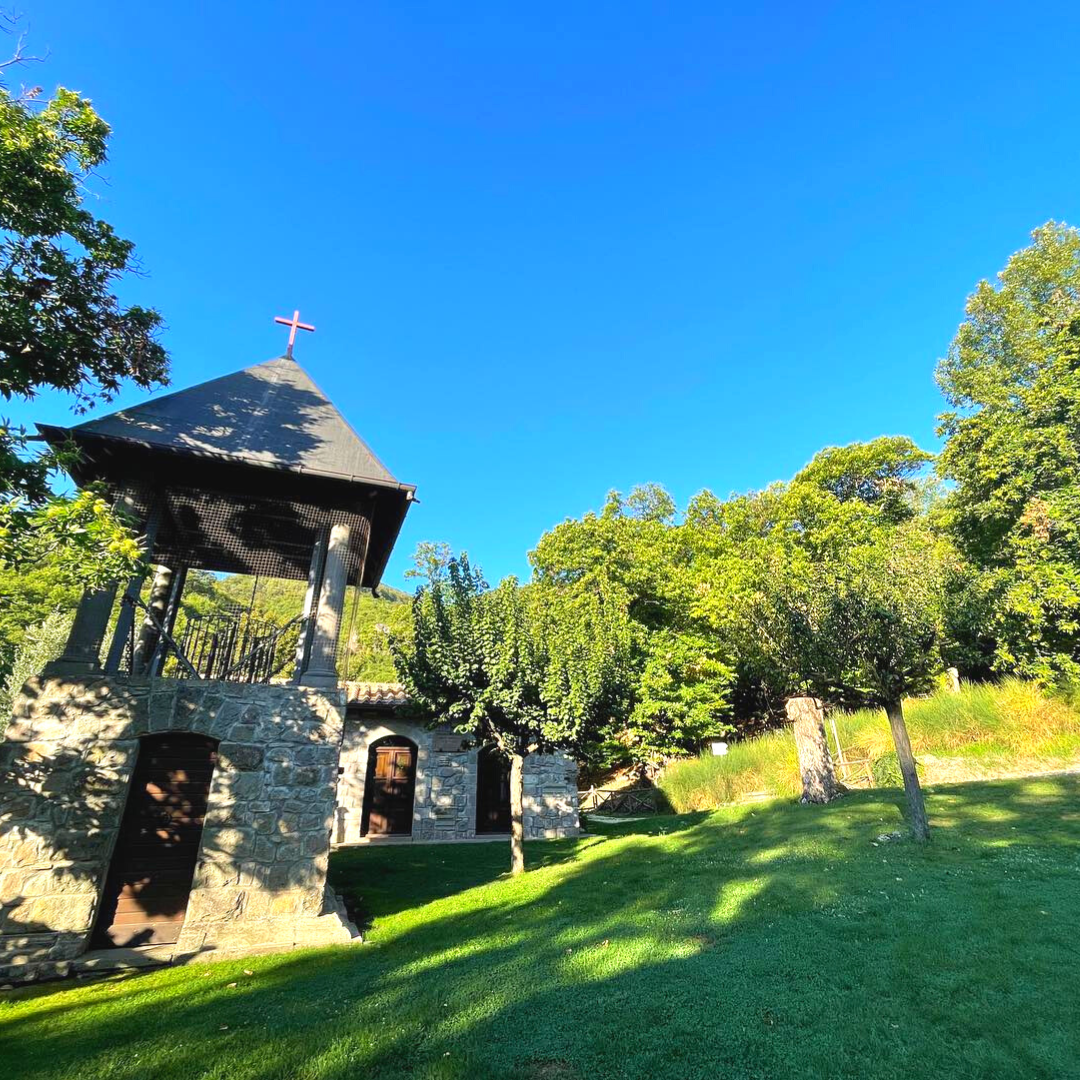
{"x":556,"y":249}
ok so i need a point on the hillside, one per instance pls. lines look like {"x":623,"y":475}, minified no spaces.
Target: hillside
{"x":363,"y":653}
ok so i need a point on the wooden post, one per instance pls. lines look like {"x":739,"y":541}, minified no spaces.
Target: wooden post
{"x":517,"y":810}
{"x":920,"y":827}
{"x":815,"y":764}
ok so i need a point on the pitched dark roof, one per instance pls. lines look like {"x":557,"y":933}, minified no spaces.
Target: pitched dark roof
{"x":271,"y":414}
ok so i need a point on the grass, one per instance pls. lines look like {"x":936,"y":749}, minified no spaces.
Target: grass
{"x":772,"y":940}
{"x":1012,"y":724}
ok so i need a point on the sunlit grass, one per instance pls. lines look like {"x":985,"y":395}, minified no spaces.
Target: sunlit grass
{"x":1012,"y":723}
{"x":756,"y":941}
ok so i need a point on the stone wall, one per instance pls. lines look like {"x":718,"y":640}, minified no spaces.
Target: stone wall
{"x":550,"y":801}
{"x":260,"y":881}
{"x":444,"y":804}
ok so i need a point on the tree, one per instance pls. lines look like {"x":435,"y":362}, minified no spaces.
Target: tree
{"x":681,"y":698}
{"x":30,"y":596}
{"x":532,"y":669}
{"x":831,"y":585}
{"x":430,"y":561}
{"x":1012,"y":449}
{"x":83,"y":536}
{"x":62,"y":325}
{"x":679,"y":678}
{"x":776,"y":537}
{"x":864,"y":627}
{"x":879,"y":473}
{"x":650,"y":502}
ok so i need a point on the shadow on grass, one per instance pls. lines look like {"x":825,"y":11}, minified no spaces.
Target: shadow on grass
{"x":381,"y":881}
{"x":772,"y":940}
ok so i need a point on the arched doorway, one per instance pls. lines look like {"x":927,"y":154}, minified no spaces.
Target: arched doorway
{"x":389,"y":788}
{"x":149,"y":880}
{"x":492,"y":791}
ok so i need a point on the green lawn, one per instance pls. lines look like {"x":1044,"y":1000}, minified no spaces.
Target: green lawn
{"x":771,"y":940}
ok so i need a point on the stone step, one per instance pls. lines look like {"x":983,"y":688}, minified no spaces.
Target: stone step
{"x":104,"y":960}
{"x":343,"y":914}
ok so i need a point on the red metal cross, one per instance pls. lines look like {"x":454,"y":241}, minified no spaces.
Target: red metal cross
{"x":294,"y":324}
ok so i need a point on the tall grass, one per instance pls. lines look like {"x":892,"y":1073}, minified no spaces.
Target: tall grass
{"x":1012,"y":722}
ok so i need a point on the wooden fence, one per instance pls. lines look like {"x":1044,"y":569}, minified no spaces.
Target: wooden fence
{"x":619,"y":801}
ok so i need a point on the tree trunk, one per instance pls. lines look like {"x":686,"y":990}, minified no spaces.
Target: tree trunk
{"x":815,"y":762}
{"x":517,"y":811}
{"x":916,"y":807}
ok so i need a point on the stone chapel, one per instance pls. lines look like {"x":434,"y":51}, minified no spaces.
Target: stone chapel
{"x":184,"y":806}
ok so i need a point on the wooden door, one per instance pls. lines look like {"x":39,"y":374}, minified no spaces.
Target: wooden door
{"x":146,"y":890}
{"x":492,"y":791}
{"x":391,"y":790}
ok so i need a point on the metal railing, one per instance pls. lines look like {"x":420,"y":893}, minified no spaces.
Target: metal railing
{"x":229,"y":647}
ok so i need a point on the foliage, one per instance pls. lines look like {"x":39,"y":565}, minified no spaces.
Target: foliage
{"x":807,"y":583}
{"x":368,"y":622}
{"x":744,"y":601}
{"x":40,"y":644}
{"x":759,"y":941}
{"x":1013,"y":724}
{"x":681,"y":699}
{"x":625,"y":545}
{"x":30,"y":595}
{"x":431,"y":561}
{"x":878,"y":473}
{"x":88,"y":543}
{"x":866,"y":626}
{"x":886,"y":770}
{"x":372,"y":621}
{"x":1012,"y":379}
{"x":678,"y":680}
{"x":62,"y":326}
{"x":530,"y":668}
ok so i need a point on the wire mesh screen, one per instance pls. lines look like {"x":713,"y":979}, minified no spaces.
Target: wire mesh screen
{"x":269,"y":537}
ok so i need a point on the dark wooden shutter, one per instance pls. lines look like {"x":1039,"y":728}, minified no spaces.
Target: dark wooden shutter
{"x":392,"y":784}
{"x":149,"y":880}
{"x":492,"y":791}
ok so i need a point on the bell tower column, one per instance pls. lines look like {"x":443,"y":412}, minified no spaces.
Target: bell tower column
{"x":82,"y":654}
{"x":322,"y":666}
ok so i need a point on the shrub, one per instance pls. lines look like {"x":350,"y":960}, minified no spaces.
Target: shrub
{"x":41,"y":644}
{"x":886,"y":770}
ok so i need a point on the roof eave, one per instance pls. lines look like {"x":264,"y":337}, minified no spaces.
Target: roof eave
{"x":54,"y":433}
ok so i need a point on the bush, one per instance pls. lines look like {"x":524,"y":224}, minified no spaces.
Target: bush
{"x":41,"y":644}
{"x":1012,"y":722}
{"x":886,"y":770}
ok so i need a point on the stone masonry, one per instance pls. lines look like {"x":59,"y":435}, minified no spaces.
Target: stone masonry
{"x":444,"y":804}
{"x":260,"y":881}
